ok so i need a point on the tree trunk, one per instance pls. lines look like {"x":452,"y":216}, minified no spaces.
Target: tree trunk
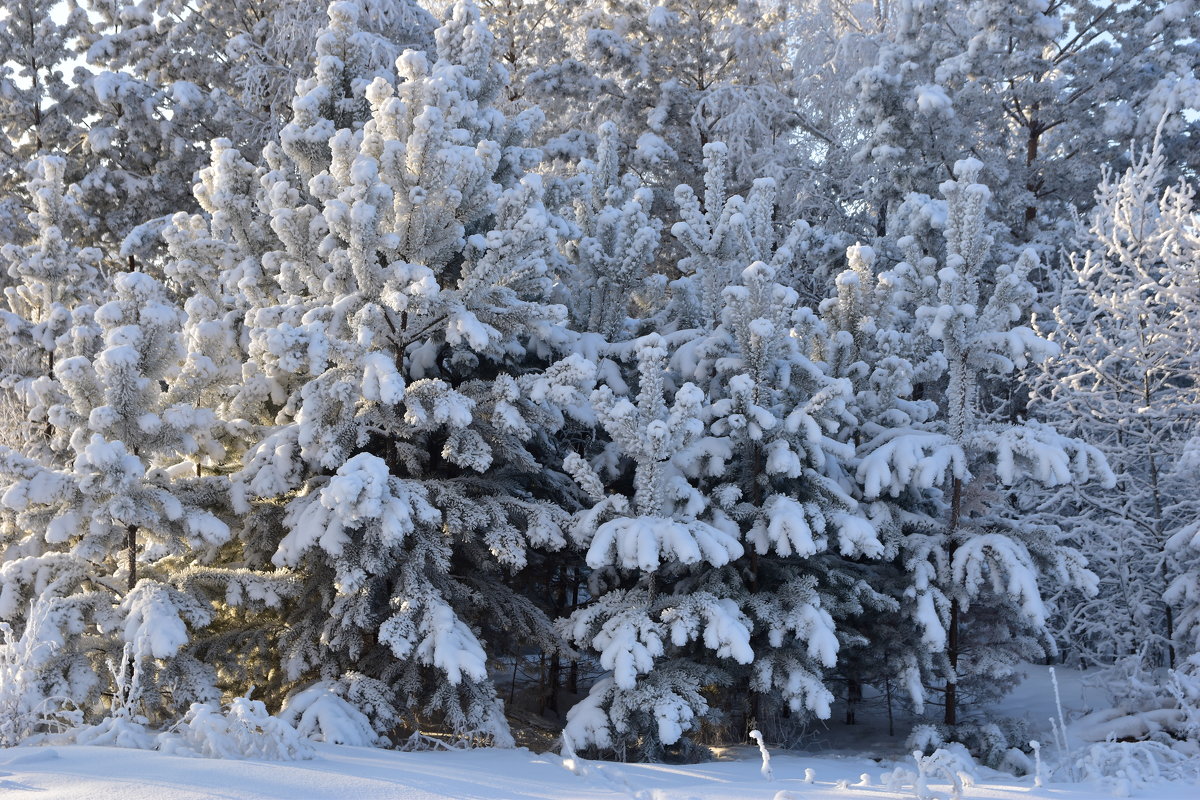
{"x":952,"y":645}
{"x":131,"y":544}
{"x":1031,"y":183}
{"x":551,"y":700}
{"x":853,"y":698}
{"x":887,"y":687}
{"x":951,"y":717}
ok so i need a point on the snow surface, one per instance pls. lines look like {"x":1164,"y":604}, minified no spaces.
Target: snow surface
{"x":365,"y":773}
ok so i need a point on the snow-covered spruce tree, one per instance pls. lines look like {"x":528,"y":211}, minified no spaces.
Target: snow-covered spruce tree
{"x":774,"y":414}
{"x":775,"y":467}
{"x":647,"y":615}
{"x":1127,"y":318}
{"x":396,"y":263}
{"x":977,"y":583}
{"x":774,"y":409}
{"x":868,"y":340}
{"x":104,"y":539}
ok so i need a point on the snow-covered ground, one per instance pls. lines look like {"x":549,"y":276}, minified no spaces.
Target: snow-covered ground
{"x":366,"y":774}
{"x":88,"y":773}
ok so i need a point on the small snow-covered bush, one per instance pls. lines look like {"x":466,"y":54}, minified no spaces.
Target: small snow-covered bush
{"x":1148,"y":705}
{"x":320,"y":712}
{"x":123,"y":727}
{"x":925,"y":738}
{"x":1130,"y":684}
{"x":244,"y":729}
{"x":1002,"y":745}
{"x":1017,"y":762}
{"x":895,"y":780}
{"x":116,"y":731}
{"x":1126,"y":767}
{"x":951,"y":764}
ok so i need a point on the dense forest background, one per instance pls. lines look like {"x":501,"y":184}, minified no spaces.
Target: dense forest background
{"x":656,"y":371}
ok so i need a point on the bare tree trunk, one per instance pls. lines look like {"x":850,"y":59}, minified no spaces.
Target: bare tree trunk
{"x":551,"y":700}
{"x":853,"y":698}
{"x":887,"y":688}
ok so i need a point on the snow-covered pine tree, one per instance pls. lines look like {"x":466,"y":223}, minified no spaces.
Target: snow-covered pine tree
{"x":1075,"y":80}
{"x":977,"y":583}
{"x":400,"y":341}
{"x":103,"y":540}
{"x":647,"y":613}
{"x":774,"y":466}
{"x":673,"y":76}
{"x":108,"y":126}
{"x":610,"y":279}
{"x":531,"y":35}
{"x":1072,"y":82}
{"x":1127,"y":318}
{"x":228,"y":69}
{"x":133,"y":144}
{"x":39,"y":111}
{"x":869,"y":341}
{"x":52,"y":283}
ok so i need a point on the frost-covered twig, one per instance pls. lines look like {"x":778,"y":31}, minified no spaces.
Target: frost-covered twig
{"x":1060,"y":729}
{"x":766,"y":756}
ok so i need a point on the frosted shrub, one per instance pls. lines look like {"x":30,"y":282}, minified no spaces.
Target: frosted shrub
{"x":1184,"y":685}
{"x":1130,"y":683}
{"x":895,"y":780}
{"x":320,"y":713}
{"x":123,"y":726}
{"x":1000,"y":745}
{"x":25,"y":709}
{"x":925,"y":738}
{"x":952,"y":764}
{"x":1147,"y":704}
{"x":243,"y":729}
{"x":1126,"y":767}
